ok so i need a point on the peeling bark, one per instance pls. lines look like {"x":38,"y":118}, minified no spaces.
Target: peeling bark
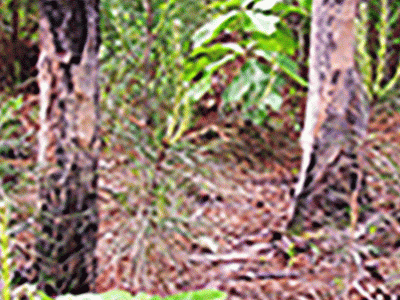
{"x":68,"y":143}
{"x":336,"y":114}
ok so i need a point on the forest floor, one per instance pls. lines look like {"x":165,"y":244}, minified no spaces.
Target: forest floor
{"x":224,"y":226}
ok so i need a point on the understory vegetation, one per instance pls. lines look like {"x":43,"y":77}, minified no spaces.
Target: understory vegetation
{"x":202,"y":104}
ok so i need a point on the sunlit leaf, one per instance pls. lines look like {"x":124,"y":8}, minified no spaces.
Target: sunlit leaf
{"x":143,"y":296}
{"x":265,"y":4}
{"x":235,"y":91}
{"x":216,"y":65}
{"x":199,"y":295}
{"x":285,"y":10}
{"x":116,"y":295}
{"x":261,"y":22}
{"x":88,"y":296}
{"x":274,"y":100}
{"x":225,"y":4}
{"x":200,"y":88}
{"x":287,"y":65}
{"x":193,"y":68}
{"x":217,"y":50}
{"x":306,"y":4}
{"x":251,"y":77}
{"x":213,"y":28}
{"x":246,"y":2}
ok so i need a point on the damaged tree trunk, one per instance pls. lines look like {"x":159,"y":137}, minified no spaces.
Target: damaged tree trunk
{"x":336,"y":116}
{"x":68,"y":144}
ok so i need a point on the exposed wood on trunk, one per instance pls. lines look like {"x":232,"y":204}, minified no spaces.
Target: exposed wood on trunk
{"x":68,"y":150}
{"x":336,"y":114}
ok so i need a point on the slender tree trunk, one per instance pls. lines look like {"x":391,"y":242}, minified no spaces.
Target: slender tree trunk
{"x":68,"y":144}
{"x":336,"y":115}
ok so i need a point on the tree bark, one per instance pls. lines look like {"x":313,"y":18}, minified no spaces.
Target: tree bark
{"x":336,"y":114}
{"x":68,"y":143}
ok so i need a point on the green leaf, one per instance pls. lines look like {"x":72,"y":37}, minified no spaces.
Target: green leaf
{"x":43,"y":296}
{"x":143,"y":296}
{"x":200,"y":88}
{"x":285,"y":10}
{"x":281,"y":40}
{"x":217,"y":50}
{"x":110,"y":295}
{"x":9,"y":107}
{"x":235,"y":91}
{"x":211,"y":30}
{"x":274,"y":100}
{"x":251,"y":77}
{"x":307,"y":4}
{"x":203,"y":86}
{"x":287,"y":65}
{"x":270,"y":43}
{"x":265,"y":4}
{"x":396,"y":41}
{"x":246,"y":2}
{"x":116,"y":295}
{"x":258,"y":116}
{"x":199,"y":295}
{"x":192,"y":68}
{"x":225,"y":4}
{"x":261,"y":23}
{"x":211,"y":68}
{"x":87,"y":296}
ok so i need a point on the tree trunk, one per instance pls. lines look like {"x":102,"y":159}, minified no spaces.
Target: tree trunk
{"x":68,"y":143}
{"x":336,"y":115}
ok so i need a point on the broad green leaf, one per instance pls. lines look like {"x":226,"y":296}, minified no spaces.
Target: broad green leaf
{"x":307,"y":4}
{"x":199,"y":295}
{"x":209,"y":295}
{"x":194,"y":67}
{"x":43,"y":296}
{"x":116,"y":295}
{"x":246,"y":2}
{"x":287,"y":65}
{"x":143,"y":296}
{"x":274,"y":100}
{"x":200,"y":88}
{"x":281,"y":41}
{"x":211,"y":30}
{"x":258,"y":77}
{"x":265,"y":4}
{"x":87,"y":296}
{"x":211,"y":68}
{"x":235,"y":91}
{"x":269,"y":42}
{"x":225,"y":4}
{"x":217,"y":50}
{"x":261,"y":22}
{"x":110,"y":295}
{"x":285,"y":10}
{"x":251,"y":77}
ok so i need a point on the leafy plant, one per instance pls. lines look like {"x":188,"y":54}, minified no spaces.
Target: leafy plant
{"x":122,"y":295}
{"x":256,"y":34}
{"x":144,"y":44}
